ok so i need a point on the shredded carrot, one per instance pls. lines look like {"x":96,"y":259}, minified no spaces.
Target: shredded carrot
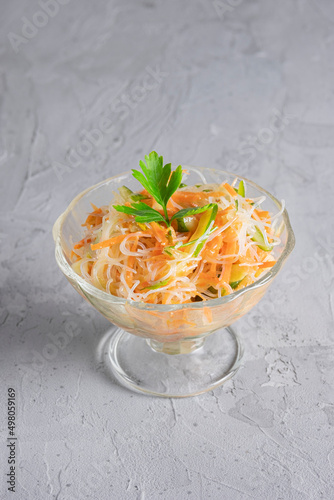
{"x":230,"y":250}
{"x":229,"y":189}
{"x":112,"y":241}
{"x":75,"y":256}
{"x":213,"y":248}
{"x":159,"y":233}
{"x":191,"y":198}
{"x":262,"y":214}
{"x":269,"y":263}
{"x":81,"y":243}
{"x":131,"y":263}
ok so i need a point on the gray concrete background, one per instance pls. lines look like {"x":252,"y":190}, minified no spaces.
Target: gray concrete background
{"x":240,"y":85}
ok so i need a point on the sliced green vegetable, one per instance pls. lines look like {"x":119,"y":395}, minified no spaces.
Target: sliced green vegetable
{"x":182,"y":185}
{"x":238,"y":273}
{"x":181,"y":226}
{"x":186,"y":224}
{"x":259,"y":239}
{"x":204,"y":227}
{"x":158,"y":285}
{"x":214,"y":290}
{"x":127,"y":194}
{"x":167,"y":251}
{"x":241,"y":189}
{"x":234,"y":284}
{"x":203,"y":231}
{"x":197,"y":298}
{"x":178,"y":245}
{"x":138,"y":197}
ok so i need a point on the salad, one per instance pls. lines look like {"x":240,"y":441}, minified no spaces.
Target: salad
{"x":170,"y":243}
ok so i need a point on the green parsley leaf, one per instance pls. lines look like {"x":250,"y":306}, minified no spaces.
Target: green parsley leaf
{"x":141,"y":211}
{"x":157,"y":179}
{"x":161,"y":183}
{"x":192,"y":211}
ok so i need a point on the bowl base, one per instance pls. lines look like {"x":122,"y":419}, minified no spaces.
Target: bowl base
{"x":143,"y":369}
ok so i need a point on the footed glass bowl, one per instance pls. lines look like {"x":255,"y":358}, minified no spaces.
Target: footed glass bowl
{"x":169,"y":350}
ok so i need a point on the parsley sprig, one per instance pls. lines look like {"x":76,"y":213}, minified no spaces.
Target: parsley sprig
{"x":142,"y":212}
{"x":161,"y":183}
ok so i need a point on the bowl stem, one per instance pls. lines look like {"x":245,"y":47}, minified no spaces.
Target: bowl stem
{"x":178,"y":347}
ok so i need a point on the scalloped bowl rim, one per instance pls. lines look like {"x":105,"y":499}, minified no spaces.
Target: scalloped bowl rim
{"x":100,"y":294}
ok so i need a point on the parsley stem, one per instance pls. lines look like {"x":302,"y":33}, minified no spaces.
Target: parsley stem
{"x":166,"y":216}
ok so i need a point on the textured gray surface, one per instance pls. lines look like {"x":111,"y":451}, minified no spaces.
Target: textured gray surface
{"x":241,"y":85}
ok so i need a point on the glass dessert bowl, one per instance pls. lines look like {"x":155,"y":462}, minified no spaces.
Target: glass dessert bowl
{"x":169,"y":350}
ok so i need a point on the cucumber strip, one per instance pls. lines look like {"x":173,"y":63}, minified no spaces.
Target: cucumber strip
{"x":197,"y":298}
{"x":241,"y":189}
{"x":160,"y":284}
{"x":138,"y":197}
{"x":182,"y":226}
{"x":186,"y":224}
{"x":259,"y":240}
{"x":126,"y":193}
{"x":234,"y":284}
{"x":237,"y":273}
{"x":204,"y":227}
{"x":214,"y":290}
